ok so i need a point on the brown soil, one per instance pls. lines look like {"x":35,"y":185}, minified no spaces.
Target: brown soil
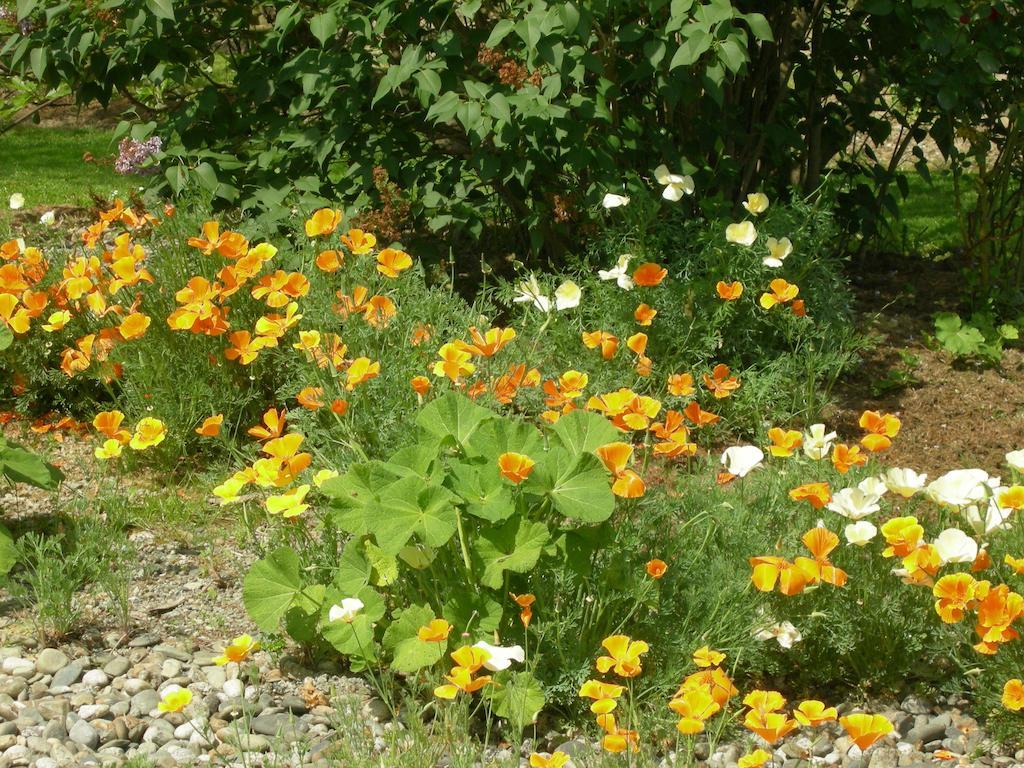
{"x":954,"y":415}
{"x":66,"y":114}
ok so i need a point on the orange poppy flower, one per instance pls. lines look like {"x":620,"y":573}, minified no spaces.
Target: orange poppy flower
{"x":391,"y":261}
{"x":821,"y":541}
{"x":15,"y":318}
{"x":339,"y":407}
{"x":607,"y":342}
{"x":108,"y":423}
{"x":379,"y":311}
{"x":272,"y":426}
{"x":420,"y":334}
{"x":812,"y":713}
{"x":515,"y":467}
{"x":617,"y":739}
{"x":715,"y":681}
{"x":784,"y":442}
{"x":309,"y":398}
{"x":461,"y":679}
{"x":694,"y":706}
{"x":623,"y":656}
{"x":436,"y":631}
{"x":420,"y":385}
{"x":603,"y":694}
{"x":489,"y":343}
{"x":644,"y":314}
{"x":627,"y":483}
{"x":865,"y":729}
{"x":330,"y":261}
{"x":1013,"y":694}
{"x":361,"y":370}
{"x":720,"y":383}
{"x":881,"y":428}
{"x":704,"y":657}
{"x":816,"y":494}
{"x":798,"y":308}
{"x":637,"y":343}
{"x":756,"y":759}
{"x":280,"y":287}
{"x":770,"y":726}
{"x":767,"y":571}
{"x":507,"y":386}
{"x":844,"y":457}
{"x":133,"y":326}
{"x":210,"y":426}
{"x":656,"y":568}
{"x":323,"y":222}
{"x":680,"y":384}
{"x":525,"y":602}
{"x":648,"y":275}
{"x":244,"y":348}
{"x":454,"y":362}
{"x":955,"y":593}
{"x":1012,"y":497}
{"x":781,"y":293}
{"x":981,"y":561}
{"x":903,"y":535}
{"x":359,"y":242}
{"x":700,"y":418}
{"x":729,"y":291}
{"x":556,"y":760}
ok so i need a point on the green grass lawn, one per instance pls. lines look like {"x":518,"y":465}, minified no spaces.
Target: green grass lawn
{"x":928,"y":223}
{"x":46,"y":166}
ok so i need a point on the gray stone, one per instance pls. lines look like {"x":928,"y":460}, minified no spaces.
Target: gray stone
{"x":144,"y":702}
{"x":84,"y":734}
{"x":293,"y":704}
{"x":12,"y":686}
{"x":170,"y":668}
{"x":884,"y":757}
{"x":47,"y":762}
{"x":136,"y":685}
{"x":159,"y":732}
{"x":277,"y":725}
{"x":247,"y":742}
{"x":216,"y":677}
{"x":930,"y":731}
{"x":916,"y":705}
{"x":50,"y":661}
{"x":55,"y":730}
{"x":234,"y":689}
{"x":144,"y":641}
{"x":52,"y":709}
{"x":15,"y":665}
{"x":117,"y":666}
{"x":67,"y":675}
{"x":173,"y":652}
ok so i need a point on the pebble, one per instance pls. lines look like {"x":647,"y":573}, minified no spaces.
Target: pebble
{"x":234,"y":688}
{"x":67,"y":676}
{"x":172,"y":652}
{"x":144,"y":641}
{"x":18,"y":667}
{"x":50,"y":661}
{"x":117,"y":666}
{"x":95,"y":678}
{"x":159,"y":732}
{"x":84,"y":734}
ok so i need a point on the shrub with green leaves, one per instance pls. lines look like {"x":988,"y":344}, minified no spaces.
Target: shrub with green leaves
{"x":19,"y":465}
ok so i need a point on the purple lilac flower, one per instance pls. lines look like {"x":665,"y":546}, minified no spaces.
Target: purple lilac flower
{"x":132,"y":154}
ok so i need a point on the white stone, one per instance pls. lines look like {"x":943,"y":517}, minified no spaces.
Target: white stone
{"x":13,"y":665}
{"x":95,"y":678}
{"x":134,"y":685}
{"x":234,"y":688}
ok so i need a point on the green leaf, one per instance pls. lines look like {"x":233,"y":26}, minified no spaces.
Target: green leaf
{"x":270,"y":587}
{"x":38,"y":58}
{"x":732,"y":54}
{"x":354,"y":570}
{"x":353,"y":639}
{"x":452,"y":415}
{"x":1008,"y":332}
{"x":352,"y":494}
{"x":162,"y":9}
{"x":411,"y":507}
{"x":499,"y":435}
{"x":519,"y":699}
{"x":324,"y":26}
{"x":419,"y":460}
{"x":957,"y":338}
{"x":207,"y":176}
{"x":385,"y":566}
{"x":25,"y":7}
{"x":759,"y":26}
{"x":22,"y":466}
{"x":301,"y":619}
{"x":584,"y":431}
{"x":477,"y":612}
{"x":8,"y":552}
{"x":577,"y":486}
{"x":515,"y":546}
{"x":487,"y":495}
{"x":498,"y":107}
{"x":6,"y":337}
{"x":500,"y":32}
{"x":696,"y":43}
{"x":409,"y":653}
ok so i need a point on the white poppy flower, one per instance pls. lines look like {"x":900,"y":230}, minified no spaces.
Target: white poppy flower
{"x":618,"y":273}
{"x":853,"y":503}
{"x":785,"y":633}
{"x":994,"y":518}
{"x":567,"y":295}
{"x":614,"y":201}
{"x":675,"y":185}
{"x":17,"y":201}
{"x":742,"y":233}
{"x":860,"y":533}
{"x":1016,"y":460}
{"x":48,"y":219}
{"x":740,"y":460}
{"x":499,"y":657}
{"x":529,"y":291}
{"x":817,"y":444}
{"x":346,"y":610}
{"x":904,"y":482}
{"x":955,"y":546}
{"x":873,"y":486}
{"x":778,"y":250}
{"x":756,"y":203}
{"x":959,"y":487}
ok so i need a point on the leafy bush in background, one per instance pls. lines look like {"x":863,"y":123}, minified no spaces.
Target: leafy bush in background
{"x":507,"y":122}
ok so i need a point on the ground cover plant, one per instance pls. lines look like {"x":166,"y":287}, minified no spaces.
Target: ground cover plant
{"x":432,"y":487}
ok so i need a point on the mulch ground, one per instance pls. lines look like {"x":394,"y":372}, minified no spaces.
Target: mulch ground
{"x":954,"y":414}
